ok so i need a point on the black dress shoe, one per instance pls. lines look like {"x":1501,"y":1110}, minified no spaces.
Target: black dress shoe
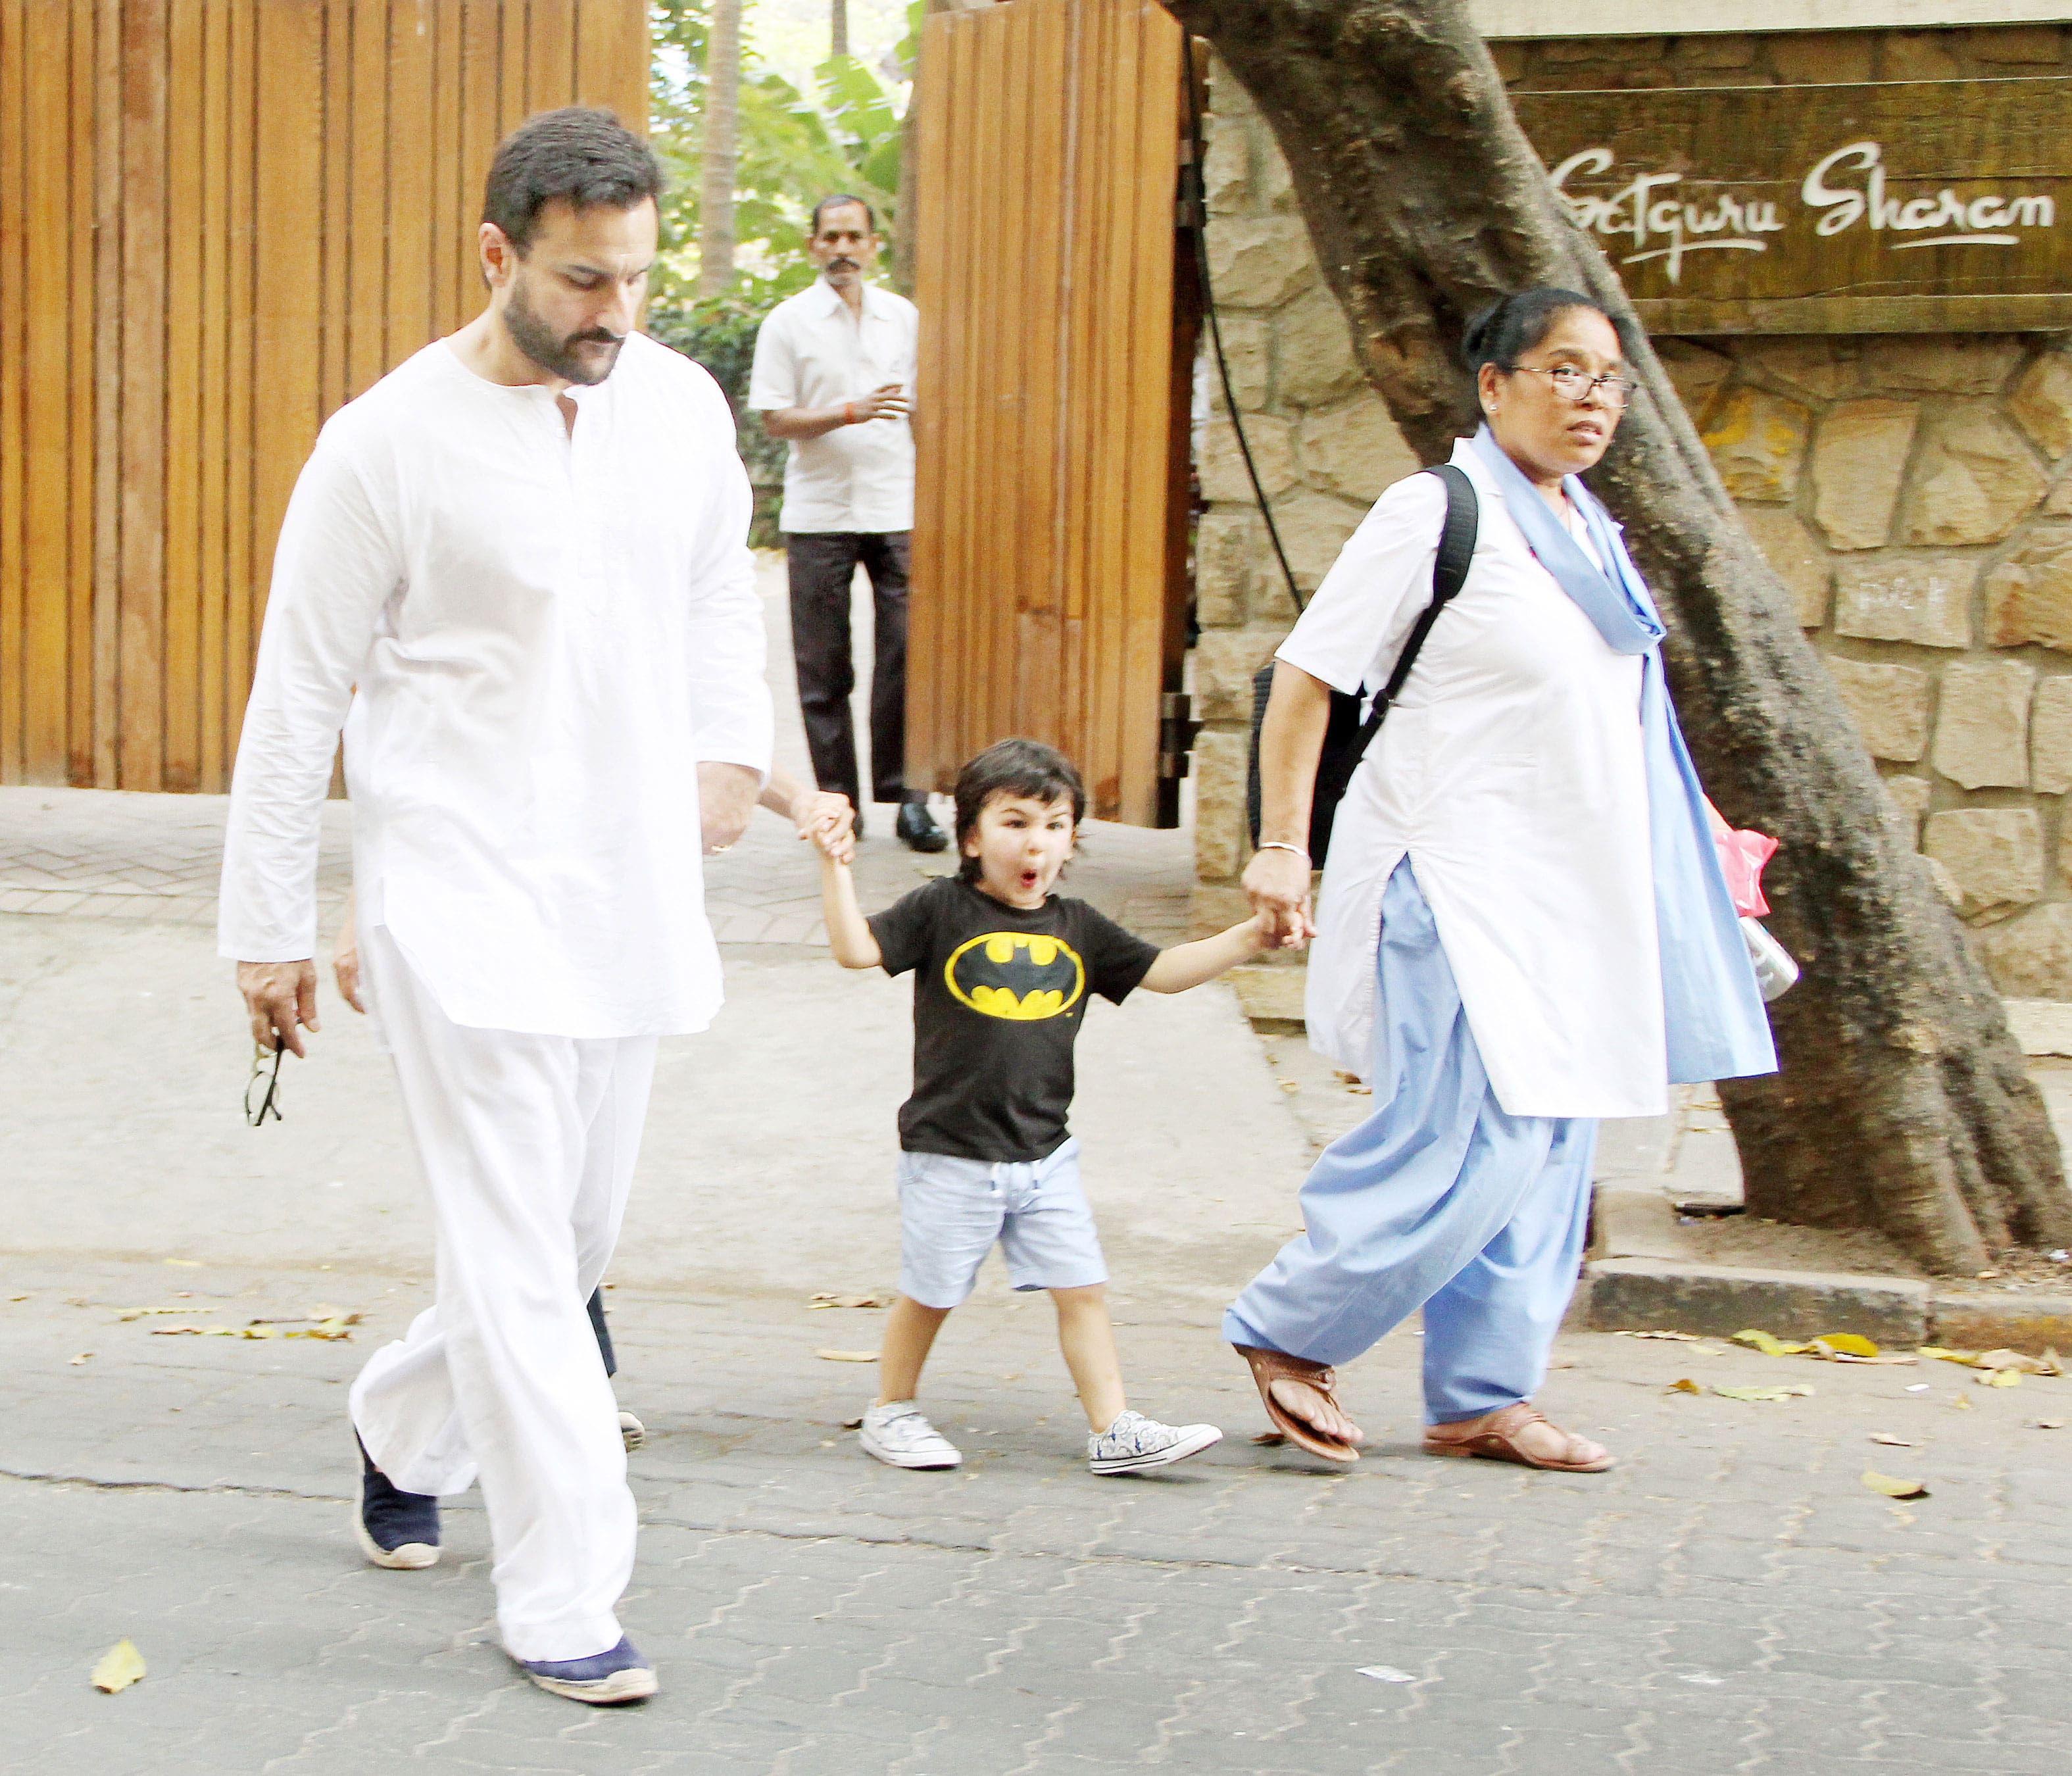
{"x":917,"y":831}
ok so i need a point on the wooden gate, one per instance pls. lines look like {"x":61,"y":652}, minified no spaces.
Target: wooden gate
{"x":218,"y":220}
{"x":1050,"y":410}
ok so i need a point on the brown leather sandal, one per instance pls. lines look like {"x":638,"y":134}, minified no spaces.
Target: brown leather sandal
{"x":1268,"y":1367}
{"x":1497,"y":1442}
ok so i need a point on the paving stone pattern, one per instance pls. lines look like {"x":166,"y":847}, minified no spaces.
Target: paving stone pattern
{"x":1731,"y":1598}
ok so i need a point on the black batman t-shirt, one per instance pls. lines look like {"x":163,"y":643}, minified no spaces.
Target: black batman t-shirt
{"x":998,"y":1000}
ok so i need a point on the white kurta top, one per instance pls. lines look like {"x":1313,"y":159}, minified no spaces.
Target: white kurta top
{"x":811,"y":351}
{"x":1510,"y":772}
{"x":548,"y":633}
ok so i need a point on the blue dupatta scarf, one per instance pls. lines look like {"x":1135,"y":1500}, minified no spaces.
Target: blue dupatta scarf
{"x":1713,"y":1011}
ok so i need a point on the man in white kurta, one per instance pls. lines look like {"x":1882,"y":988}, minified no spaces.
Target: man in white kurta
{"x":526,"y":549}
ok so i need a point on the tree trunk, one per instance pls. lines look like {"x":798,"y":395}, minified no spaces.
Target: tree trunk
{"x":720,"y":157}
{"x":1902,"y":1103}
{"x":837,"y":27}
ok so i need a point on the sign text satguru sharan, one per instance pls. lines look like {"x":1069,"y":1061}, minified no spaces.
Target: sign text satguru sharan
{"x":1775,"y":197}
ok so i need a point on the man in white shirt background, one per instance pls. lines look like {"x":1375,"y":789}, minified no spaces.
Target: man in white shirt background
{"x":526,"y":548}
{"x":834,"y":365}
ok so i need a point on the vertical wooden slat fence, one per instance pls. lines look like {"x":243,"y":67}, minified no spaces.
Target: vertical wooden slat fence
{"x":1048,"y":572}
{"x":220,"y":219}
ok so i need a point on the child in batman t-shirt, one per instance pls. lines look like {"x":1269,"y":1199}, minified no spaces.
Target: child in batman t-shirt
{"x":1004,"y":971}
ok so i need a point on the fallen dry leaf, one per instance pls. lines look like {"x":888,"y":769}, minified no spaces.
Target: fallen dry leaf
{"x":323,"y":1316}
{"x":1997,"y":1378}
{"x":1848,"y":1344}
{"x":1684,"y":1384}
{"x":186,"y":1264}
{"x":1962,"y":1402}
{"x":81,"y":1358}
{"x":1680,"y":1337}
{"x":2046,"y":1423}
{"x":1271,"y":1440}
{"x":850,"y":1301}
{"x":142,"y":1312}
{"x":1891,"y":1488}
{"x":1897,"y":1442}
{"x":1763,"y":1394}
{"x":847,"y":1356}
{"x":1769,"y":1344}
{"x":120,"y":1666}
{"x":1968,"y":1358}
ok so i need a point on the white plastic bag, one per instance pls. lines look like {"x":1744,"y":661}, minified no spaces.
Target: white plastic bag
{"x":1775,"y":972}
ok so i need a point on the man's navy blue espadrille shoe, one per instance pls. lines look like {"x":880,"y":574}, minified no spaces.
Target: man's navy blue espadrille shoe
{"x":620,"y":1675}
{"x":396,"y":1529}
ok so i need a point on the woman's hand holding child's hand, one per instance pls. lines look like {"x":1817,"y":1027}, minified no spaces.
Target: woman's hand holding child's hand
{"x":1265,"y":935}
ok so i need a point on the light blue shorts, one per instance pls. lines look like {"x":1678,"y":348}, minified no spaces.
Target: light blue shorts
{"x":951,"y":1211}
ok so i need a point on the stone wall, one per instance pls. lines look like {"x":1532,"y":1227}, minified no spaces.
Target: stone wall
{"x":1913,"y":491}
{"x":1320,"y":438}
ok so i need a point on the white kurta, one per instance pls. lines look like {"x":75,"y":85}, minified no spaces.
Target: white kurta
{"x":1512,"y":774}
{"x":811,"y":351}
{"x":548,"y":632}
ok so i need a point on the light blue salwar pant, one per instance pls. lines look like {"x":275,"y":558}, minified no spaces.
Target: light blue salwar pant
{"x":1440,"y":1199}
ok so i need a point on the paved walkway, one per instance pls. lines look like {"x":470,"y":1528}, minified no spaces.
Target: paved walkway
{"x":1733,"y":1598}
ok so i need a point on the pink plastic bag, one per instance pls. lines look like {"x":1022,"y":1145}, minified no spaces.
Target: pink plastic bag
{"x":1742,"y":856}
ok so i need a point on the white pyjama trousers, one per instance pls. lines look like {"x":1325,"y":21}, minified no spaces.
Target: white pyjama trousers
{"x":527,"y":1145}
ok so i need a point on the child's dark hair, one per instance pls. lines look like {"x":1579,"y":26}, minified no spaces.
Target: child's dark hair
{"x":1513,"y":324}
{"x":1014,"y":767}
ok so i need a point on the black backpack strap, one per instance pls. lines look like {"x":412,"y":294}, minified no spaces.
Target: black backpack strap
{"x":1450,"y":573}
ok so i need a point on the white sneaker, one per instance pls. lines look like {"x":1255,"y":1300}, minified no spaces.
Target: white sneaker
{"x":898,"y":1435}
{"x":631,"y":1432}
{"x":1134,"y":1441}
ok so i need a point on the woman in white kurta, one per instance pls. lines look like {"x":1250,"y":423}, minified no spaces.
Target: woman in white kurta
{"x":1510,"y":865}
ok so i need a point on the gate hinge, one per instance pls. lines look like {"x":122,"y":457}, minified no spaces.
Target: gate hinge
{"x":1177,"y":729}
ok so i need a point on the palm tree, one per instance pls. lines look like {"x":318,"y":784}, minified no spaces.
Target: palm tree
{"x":721,"y":153}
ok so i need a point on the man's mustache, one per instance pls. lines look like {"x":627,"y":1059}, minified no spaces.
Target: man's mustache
{"x":597,"y":335}
{"x":843,"y":264}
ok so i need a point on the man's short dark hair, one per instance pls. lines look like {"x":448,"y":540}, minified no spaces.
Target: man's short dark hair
{"x":584,"y":155}
{"x":835,"y":200}
{"x":1014,"y":767}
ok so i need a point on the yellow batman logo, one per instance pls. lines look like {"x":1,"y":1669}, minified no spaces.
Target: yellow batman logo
{"x":1015,"y":976}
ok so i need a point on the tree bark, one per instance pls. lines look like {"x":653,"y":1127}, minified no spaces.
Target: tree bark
{"x":720,"y":157}
{"x":837,"y":27}
{"x":1902,"y":1103}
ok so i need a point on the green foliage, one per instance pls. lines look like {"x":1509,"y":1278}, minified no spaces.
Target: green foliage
{"x":720,"y":333}
{"x":794,"y":147}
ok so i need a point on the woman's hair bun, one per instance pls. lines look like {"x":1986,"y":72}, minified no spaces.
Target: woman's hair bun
{"x":1479,"y":331}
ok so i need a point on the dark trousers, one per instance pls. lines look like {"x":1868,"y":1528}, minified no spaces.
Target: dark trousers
{"x":822,"y":564}
{"x":603,"y":1332}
